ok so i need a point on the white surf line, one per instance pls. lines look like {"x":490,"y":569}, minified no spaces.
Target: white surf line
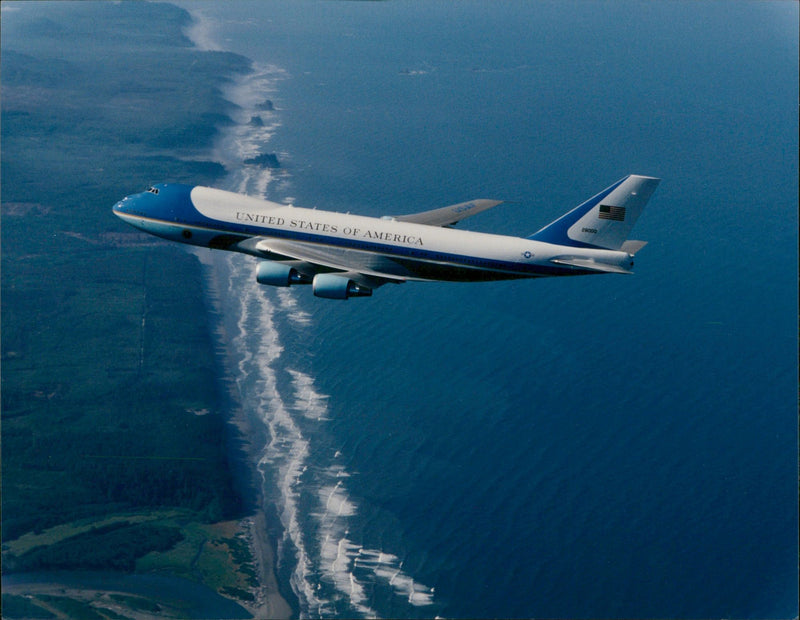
{"x":257,"y":341}
{"x":308,"y":401}
{"x":286,"y":453}
{"x":254,"y":120}
{"x":289,"y":449}
{"x":201,"y":32}
{"x":255,"y":124}
{"x":348,"y":566}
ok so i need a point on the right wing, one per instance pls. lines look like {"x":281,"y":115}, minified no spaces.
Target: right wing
{"x":447,"y":216}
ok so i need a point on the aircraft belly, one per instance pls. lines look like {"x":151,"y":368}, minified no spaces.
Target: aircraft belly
{"x":421,"y":265}
{"x":449,"y":272}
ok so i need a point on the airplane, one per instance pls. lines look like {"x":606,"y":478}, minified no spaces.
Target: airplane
{"x":343,"y":255}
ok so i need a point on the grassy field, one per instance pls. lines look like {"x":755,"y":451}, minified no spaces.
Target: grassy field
{"x":107,"y":356}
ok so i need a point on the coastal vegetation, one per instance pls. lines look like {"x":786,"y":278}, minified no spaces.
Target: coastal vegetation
{"x":116,"y":451}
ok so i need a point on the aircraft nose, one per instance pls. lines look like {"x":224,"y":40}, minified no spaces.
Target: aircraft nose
{"x":135,"y":204}
{"x":131,"y":209}
{"x":120,"y":207}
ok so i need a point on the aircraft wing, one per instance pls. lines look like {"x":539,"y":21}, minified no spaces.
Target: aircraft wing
{"x":447,"y":216}
{"x":363,"y":267}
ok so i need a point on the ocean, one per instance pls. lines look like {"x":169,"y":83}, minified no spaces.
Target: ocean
{"x":585,"y":447}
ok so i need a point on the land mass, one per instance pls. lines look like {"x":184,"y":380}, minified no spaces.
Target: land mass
{"x":119,"y":451}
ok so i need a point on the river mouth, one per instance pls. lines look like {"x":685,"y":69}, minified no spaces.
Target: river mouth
{"x":164,"y":595}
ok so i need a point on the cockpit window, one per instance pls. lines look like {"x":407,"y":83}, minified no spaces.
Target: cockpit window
{"x":153,"y":190}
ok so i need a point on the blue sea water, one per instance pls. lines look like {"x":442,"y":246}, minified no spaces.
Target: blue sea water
{"x":585,"y":447}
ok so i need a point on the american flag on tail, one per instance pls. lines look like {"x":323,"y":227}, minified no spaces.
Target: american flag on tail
{"x":607,"y":212}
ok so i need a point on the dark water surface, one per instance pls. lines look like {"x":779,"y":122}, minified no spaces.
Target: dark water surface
{"x":598,"y":447}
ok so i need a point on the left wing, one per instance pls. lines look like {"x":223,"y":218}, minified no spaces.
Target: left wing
{"x":363,"y":267}
{"x":447,"y":216}
{"x":335,"y":258}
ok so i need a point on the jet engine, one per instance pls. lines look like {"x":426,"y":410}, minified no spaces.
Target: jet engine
{"x":332,"y":286}
{"x":279,"y":274}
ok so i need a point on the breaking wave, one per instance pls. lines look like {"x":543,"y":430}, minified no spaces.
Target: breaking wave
{"x":331,"y":574}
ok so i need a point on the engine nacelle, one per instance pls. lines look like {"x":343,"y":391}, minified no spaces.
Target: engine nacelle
{"x":331,"y":286}
{"x":279,"y":274}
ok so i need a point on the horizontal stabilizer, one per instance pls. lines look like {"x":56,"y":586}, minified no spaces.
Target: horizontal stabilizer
{"x":586,"y":263}
{"x":631,"y":247}
{"x":447,"y":216}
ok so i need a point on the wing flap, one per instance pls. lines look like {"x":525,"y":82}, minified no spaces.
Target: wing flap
{"x":448,"y":216}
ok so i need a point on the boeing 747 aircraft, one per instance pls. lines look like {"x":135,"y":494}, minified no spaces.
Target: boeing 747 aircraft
{"x":343,"y":255}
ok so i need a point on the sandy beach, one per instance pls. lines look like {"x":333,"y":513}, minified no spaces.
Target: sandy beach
{"x":268,"y":603}
{"x":268,"y":600}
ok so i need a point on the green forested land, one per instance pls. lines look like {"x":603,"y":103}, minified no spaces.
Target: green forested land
{"x":109,"y":398}
{"x":114,"y":546}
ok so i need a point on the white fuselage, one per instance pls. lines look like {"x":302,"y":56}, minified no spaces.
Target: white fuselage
{"x":484,"y":255}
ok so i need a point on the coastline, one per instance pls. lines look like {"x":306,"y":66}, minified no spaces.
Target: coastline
{"x":246,"y":439}
{"x":268,"y":387}
{"x":243,"y":453}
{"x":269,"y":602}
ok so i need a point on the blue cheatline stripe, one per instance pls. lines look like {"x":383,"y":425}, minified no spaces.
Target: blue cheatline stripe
{"x":556,"y":232}
{"x":413,"y":254}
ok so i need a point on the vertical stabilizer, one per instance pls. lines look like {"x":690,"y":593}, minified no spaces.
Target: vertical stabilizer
{"x":605,"y":220}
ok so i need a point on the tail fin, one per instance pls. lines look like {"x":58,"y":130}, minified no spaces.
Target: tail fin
{"x":605,"y":220}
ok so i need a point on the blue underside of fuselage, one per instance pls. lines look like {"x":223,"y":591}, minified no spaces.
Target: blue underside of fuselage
{"x":167,"y":211}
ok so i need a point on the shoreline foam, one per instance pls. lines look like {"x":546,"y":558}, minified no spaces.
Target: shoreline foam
{"x":243,"y":448}
{"x":327,"y":569}
{"x":246,"y":442}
